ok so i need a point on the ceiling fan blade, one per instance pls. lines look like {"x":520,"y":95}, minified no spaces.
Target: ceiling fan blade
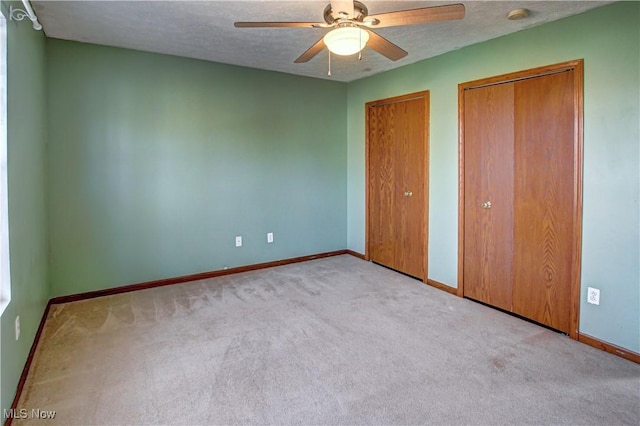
{"x":385,"y":47}
{"x":342,"y":8}
{"x":278,"y":24}
{"x":418,"y":16}
{"x":311,"y":52}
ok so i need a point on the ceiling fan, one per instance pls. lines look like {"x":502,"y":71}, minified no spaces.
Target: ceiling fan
{"x":351,"y":27}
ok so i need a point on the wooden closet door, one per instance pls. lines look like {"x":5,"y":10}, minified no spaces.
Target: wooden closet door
{"x":488,"y":178}
{"x":544,"y":197}
{"x":383,"y":195}
{"x":397,"y":199}
{"x":521,"y":143}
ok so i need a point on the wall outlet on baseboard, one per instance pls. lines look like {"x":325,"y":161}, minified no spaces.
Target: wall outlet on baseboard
{"x":18,"y":327}
{"x":270,"y":237}
{"x":593,"y":296}
{"x":238,"y":241}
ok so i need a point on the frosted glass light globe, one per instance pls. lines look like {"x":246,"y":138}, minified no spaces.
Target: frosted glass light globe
{"x":346,"y":41}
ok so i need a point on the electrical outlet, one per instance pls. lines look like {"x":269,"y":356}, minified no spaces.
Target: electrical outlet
{"x":18,"y":327}
{"x":593,"y":296}
{"x":238,"y":241}
{"x":270,"y":237}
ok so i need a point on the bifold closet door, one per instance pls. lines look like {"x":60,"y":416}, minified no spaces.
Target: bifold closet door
{"x":544,"y":197}
{"x":397,"y":182}
{"x":519,"y":196}
{"x":488,"y":227}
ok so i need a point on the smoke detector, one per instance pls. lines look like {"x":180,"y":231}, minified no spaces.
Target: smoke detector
{"x":517,"y":14}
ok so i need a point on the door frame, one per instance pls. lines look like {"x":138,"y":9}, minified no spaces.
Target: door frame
{"x":425,"y":232}
{"x":578,"y":97}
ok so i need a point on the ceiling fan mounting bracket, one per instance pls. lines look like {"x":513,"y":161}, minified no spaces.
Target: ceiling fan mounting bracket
{"x":360,"y":11}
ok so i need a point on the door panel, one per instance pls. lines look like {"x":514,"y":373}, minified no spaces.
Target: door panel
{"x":382,"y":182}
{"x":410,"y":137}
{"x":397,"y":173}
{"x":488,"y":177}
{"x":544,"y":218}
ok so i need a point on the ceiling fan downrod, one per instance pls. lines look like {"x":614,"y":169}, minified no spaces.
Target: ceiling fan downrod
{"x":332,"y":17}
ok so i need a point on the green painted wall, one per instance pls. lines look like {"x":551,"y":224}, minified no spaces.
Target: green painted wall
{"x":27,"y":207}
{"x":156,"y":163}
{"x":609,"y":41}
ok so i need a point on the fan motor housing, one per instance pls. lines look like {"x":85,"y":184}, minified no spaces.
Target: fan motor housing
{"x":360,"y":11}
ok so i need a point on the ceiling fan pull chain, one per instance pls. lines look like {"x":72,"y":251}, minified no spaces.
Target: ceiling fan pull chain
{"x":360,"y":51}
{"x":329,"y":73}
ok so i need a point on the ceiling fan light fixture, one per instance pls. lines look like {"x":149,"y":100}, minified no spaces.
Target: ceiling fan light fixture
{"x":346,"y":41}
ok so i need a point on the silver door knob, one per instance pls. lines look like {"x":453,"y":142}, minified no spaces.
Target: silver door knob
{"x":486,"y":205}
{"x":408,"y":193}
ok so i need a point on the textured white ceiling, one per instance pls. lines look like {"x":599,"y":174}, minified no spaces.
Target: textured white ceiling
{"x":204,"y":30}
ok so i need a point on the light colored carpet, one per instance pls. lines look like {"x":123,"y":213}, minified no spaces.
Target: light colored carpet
{"x":330,"y":341}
